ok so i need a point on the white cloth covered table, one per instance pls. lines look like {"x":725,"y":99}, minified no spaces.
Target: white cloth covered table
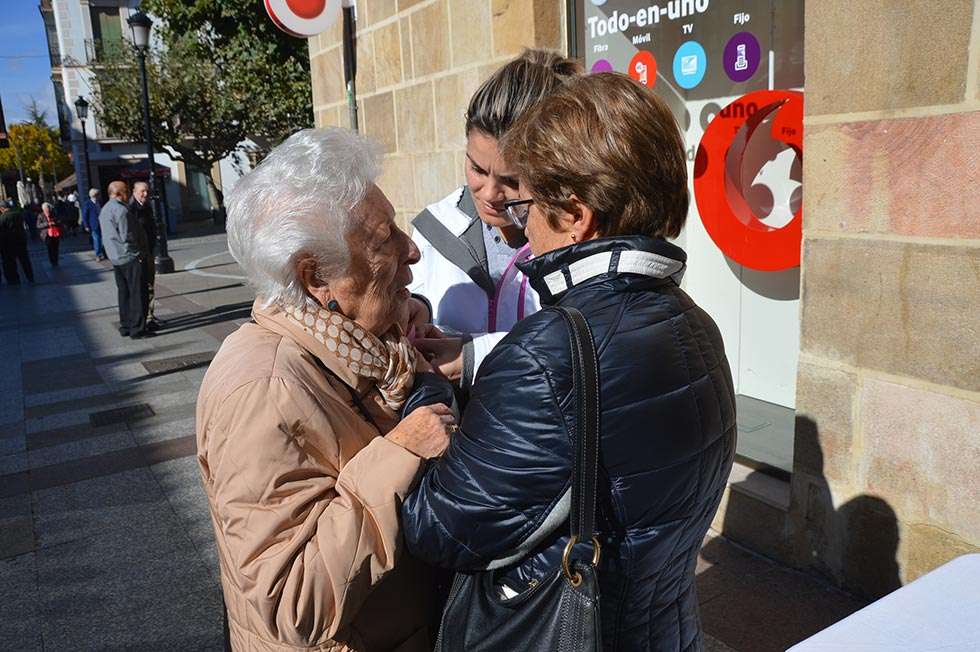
{"x":938,"y":611}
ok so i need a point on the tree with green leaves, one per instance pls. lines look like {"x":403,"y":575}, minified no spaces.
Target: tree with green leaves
{"x":224,"y":74}
{"x":269,"y":66}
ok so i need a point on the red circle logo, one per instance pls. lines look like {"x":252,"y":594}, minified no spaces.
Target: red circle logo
{"x":643,"y":68}
{"x":757,"y":136}
{"x":303,"y":18}
{"x":308,"y":9}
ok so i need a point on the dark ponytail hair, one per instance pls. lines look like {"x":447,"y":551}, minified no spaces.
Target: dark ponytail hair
{"x":515,"y":88}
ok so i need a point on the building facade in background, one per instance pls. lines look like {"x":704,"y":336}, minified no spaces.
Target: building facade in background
{"x":858,"y":365}
{"x":77,"y":31}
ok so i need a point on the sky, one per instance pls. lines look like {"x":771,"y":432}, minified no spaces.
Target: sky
{"x":25,"y":70}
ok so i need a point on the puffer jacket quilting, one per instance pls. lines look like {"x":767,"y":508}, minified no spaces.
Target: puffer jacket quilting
{"x":498,"y":497}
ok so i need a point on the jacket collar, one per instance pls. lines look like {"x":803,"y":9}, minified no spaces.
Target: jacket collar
{"x":553,"y":273}
{"x":456,"y":212}
{"x":273,"y":319}
{"x":466,"y":205}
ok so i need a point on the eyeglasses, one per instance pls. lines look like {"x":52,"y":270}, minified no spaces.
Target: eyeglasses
{"x":518,"y":210}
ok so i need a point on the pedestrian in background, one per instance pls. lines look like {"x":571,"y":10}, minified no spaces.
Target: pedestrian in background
{"x":51,"y":231}
{"x":125,"y":244}
{"x":13,"y":243}
{"x":60,"y":209}
{"x":31,"y":211}
{"x":90,"y":220}
{"x":72,"y":212}
{"x":140,"y":204}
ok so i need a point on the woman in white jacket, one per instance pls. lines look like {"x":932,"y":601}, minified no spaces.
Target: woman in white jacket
{"x":467,"y":283}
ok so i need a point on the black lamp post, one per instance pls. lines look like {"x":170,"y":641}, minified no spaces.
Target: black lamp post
{"x":140,"y":24}
{"x":81,"y":110}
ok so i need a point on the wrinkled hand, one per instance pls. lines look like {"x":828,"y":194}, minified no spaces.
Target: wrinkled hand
{"x":424,"y":432}
{"x":445,"y":354}
{"x":418,"y":315}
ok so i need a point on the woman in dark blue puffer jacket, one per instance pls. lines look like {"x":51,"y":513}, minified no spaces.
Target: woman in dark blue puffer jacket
{"x":603,"y":174}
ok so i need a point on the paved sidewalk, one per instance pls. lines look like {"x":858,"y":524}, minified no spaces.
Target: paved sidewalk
{"x":105,"y":538}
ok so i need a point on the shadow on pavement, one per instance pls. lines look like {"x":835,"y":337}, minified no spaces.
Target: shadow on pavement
{"x":210,"y":317}
{"x":201,"y":291}
{"x":753,"y":604}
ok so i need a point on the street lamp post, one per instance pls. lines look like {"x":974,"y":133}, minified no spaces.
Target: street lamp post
{"x":140,"y":24}
{"x":81,"y":109}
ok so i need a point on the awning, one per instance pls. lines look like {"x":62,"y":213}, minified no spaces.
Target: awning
{"x":68,"y":182}
{"x":139,"y":171}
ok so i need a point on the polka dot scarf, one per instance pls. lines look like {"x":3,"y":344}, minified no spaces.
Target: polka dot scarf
{"x":390,"y":360}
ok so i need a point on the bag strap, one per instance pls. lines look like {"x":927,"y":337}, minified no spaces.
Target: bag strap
{"x":455,"y":250}
{"x":585,"y":467}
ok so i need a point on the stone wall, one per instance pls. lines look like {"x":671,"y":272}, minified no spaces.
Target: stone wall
{"x":419,"y":61}
{"x":885,"y":482}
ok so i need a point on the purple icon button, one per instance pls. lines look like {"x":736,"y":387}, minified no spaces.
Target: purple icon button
{"x":742,"y":56}
{"x":602,"y":65}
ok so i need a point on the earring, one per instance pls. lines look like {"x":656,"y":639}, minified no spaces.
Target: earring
{"x":573,"y":238}
{"x":333,"y":306}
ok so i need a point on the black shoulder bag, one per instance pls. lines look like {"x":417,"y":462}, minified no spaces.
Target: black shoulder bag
{"x":561,"y":612}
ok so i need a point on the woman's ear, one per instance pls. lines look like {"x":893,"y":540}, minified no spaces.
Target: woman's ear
{"x":582,"y":225}
{"x":306,"y":271}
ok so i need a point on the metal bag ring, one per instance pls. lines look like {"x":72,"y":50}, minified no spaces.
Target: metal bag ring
{"x":576,"y":578}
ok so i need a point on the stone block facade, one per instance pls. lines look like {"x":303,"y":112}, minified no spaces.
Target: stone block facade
{"x":418,"y":63}
{"x":884,"y":483}
{"x":871,"y":55}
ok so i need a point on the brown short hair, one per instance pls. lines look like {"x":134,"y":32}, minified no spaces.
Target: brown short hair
{"x":612,"y":143}
{"x":514,"y":88}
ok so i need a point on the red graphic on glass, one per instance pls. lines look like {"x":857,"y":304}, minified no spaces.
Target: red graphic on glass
{"x":768,"y":125}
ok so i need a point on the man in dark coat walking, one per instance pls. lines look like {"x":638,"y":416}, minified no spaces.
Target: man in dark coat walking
{"x":140,"y":204}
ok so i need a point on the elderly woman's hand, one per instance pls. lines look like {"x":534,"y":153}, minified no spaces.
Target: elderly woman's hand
{"x":445,"y":354}
{"x":424,"y":432}
{"x":418,"y":315}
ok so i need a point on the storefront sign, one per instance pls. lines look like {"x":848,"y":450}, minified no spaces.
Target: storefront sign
{"x":700,"y":56}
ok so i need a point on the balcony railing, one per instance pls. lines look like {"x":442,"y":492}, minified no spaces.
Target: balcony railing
{"x":98,"y":51}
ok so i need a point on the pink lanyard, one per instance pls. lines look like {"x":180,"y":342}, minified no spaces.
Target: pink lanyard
{"x":492,"y":308}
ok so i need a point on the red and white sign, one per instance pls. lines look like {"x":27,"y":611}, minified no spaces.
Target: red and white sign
{"x":726,"y":214}
{"x":643,"y":68}
{"x":303,"y":18}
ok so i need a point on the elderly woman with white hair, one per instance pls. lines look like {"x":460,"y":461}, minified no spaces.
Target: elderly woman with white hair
{"x":304,"y":454}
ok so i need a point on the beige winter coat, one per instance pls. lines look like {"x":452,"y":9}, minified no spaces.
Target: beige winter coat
{"x":304,"y":495}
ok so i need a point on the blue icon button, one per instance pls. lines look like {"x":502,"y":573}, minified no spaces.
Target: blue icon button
{"x":690,"y":64}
